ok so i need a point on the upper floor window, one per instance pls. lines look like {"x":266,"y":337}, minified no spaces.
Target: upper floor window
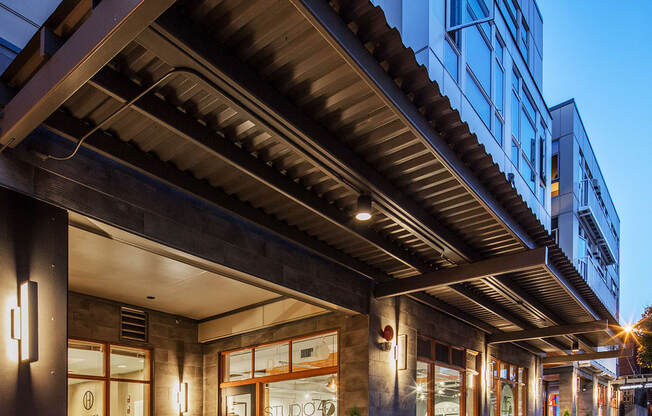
{"x":464,"y":13}
{"x":452,"y":54}
{"x":523,"y":41}
{"x":554,"y":169}
{"x":510,"y":14}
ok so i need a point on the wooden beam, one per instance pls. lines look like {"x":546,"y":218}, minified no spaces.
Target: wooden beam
{"x":509,"y":263}
{"x":562,"y":359}
{"x":551,"y":331}
{"x":110,"y":27}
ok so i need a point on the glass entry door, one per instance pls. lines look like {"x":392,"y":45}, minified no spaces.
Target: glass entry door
{"x":239,"y":401}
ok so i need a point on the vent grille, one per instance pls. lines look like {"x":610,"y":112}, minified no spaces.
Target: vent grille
{"x":133,"y":324}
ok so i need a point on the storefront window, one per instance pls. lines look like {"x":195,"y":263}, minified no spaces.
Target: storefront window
{"x":447,"y":385}
{"x":296,"y":377}
{"x":300,"y":397}
{"x":126,"y":387}
{"x":508,"y":391}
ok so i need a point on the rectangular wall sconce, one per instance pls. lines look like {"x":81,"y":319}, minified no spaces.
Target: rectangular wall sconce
{"x":24,"y":322}
{"x":401,"y":352}
{"x":182,"y":397}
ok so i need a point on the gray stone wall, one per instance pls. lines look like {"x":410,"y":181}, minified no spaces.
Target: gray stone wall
{"x":353,"y":383}
{"x":176,"y":355}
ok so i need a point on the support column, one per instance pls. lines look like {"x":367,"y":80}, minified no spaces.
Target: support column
{"x":34,"y":247}
{"x":568,"y":391}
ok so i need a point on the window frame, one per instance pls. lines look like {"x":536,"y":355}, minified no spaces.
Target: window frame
{"x":106,"y":378}
{"x":290,"y":375}
{"x":476,"y":21}
{"x":432,"y":362}
{"x":497,"y":386}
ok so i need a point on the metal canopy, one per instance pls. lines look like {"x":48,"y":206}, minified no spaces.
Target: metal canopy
{"x":562,"y":359}
{"x":282,"y":120}
{"x":574,"y":329}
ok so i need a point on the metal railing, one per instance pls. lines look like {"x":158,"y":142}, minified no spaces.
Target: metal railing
{"x":596,"y":277}
{"x":592,"y":208}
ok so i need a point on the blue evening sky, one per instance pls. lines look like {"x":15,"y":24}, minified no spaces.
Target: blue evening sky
{"x":599,"y":54}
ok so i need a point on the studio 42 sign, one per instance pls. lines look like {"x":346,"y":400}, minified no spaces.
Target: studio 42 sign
{"x":312,"y":408}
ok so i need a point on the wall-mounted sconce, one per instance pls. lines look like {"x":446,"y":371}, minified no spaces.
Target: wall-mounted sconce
{"x":388,"y":335}
{"x":400,"y":353}
{"x":182,"y":397}
{"x":24,"y":322}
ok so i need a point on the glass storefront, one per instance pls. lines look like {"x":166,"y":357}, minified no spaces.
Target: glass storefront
{"x":296,"y":377}
{"x":446,"y":380}
{"x":118,"y":381}
{"x":507,"y":389}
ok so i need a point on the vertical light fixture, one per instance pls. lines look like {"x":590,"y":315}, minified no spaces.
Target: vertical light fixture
{"x":401,"y":352}
{"x":24,"y":322}
{"x":182,"y":397}
{"x":363,"y":210}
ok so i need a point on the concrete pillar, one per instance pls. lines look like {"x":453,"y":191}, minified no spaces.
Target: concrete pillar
{"x":568,"y":392}
{"x":34,"y":247}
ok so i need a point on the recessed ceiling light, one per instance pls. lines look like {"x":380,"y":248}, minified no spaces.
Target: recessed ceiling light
{"x":151,"y":297}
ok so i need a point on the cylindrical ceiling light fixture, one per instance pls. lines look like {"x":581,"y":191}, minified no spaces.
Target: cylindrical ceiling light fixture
{"x":363,"y":210}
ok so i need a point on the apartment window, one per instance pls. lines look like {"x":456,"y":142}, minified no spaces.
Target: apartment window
{"x":478,"y":57}
{"x":108,"y":377}
{"x":507,"y":389}
{"x":614,"y":287}
{"x":447,"y":379}
{"x":528,"y":174}
{"x":500,"y":49}
{"x":554,"y":169}
{"x":451,"y":55}
{"x":464,"y":13}
{"x":477,"y":98}
{"x":498,"y":129}
{"x":528,"y":138}
{"x":509,"y":13}
{"x":523,"y":43}
{"x":282,"y":377}
{"x":500,"y":87}
{"x":514,"y":153}
{"x":542,"y":155}
{"x":516,"y":105}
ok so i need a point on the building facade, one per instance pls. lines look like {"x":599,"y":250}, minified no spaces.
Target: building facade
{"x":273,"y":208}
{"x":586,"y":226}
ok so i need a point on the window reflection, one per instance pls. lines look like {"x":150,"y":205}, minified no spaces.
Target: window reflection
{"x":422,"y":389}
{"x":304,"y":396}
{"x":447,"y":391}
{"x":237,"y":365}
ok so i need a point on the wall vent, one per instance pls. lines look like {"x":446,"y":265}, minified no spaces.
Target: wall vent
{"x":133,"y":324}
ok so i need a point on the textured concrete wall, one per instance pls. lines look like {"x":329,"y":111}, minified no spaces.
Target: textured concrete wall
{"x":567,"y":396}
{"x":176,"y":354}
{"x":353,"y":384}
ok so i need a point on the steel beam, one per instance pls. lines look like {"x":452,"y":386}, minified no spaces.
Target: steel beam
{"x":510,"y":263}
{"x":110,"y":27}
{"x":562,"y":359}
{"x":550,"y":331}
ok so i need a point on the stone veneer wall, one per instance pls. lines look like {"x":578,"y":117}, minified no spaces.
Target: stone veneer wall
{"x":391,"y":391}
{"x":353,"y":383}
{"x":173,"y":340}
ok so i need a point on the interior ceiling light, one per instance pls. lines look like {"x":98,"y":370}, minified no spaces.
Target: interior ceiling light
{"x":363,"y":210}
{"x":332,"y":384}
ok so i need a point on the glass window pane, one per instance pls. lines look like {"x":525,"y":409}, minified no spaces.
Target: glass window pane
{"x":515,"y":79}
{"x":499,"y":50}
{"x":447,"y":391}
{"x":85,"y":397}
{"x":478,"y":100}
{"x":441,"y":353}
{"x":467,"y":11}
{"x":527,"y":138}
{"x":424,"y":348}
{"x":478,"y":57}
{"x":272,"y":359}
{"x":129,"y":363}
{"x":240,"y":405}
{"x":422,"y":388}
{"x":528,"y":106}
{"x":521,"y":397}
{"x":498,"y":130}
{"x":526,"y":171}
{"x":85,"y":358}
{"x":520,"y":374}
{"x":507,"y":405}
{"x":129,"y":399}
{"x":451,"y":60}
{"x":493,"y":403}
{"x":515,"y":153}
{"x":512,"y":373}
{"x":314,"y":352}
{"x":516,"y":107}
{"x":305,"y":396}
{"x":499,"y":88}
{"x":237,"y":365}
{"x":504,"y":370}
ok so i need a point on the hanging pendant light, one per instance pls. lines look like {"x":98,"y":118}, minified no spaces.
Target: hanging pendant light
{"x":363,"y":210}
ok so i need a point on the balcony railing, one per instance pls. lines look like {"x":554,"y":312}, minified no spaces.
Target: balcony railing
{"x":592,"y":213}
{"x":597,"y":278}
